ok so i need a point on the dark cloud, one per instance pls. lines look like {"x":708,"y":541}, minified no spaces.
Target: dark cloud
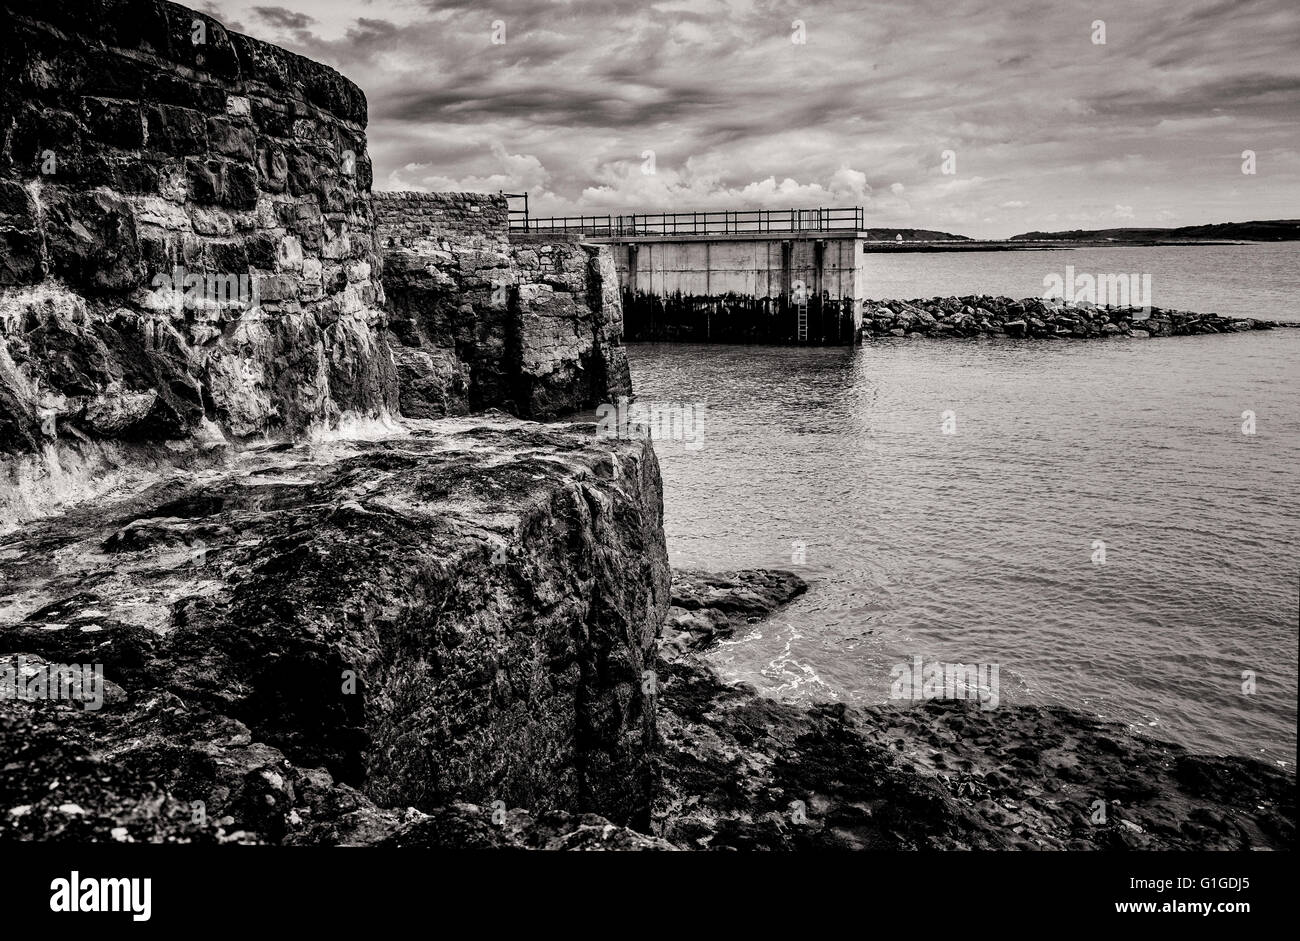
{"x":281,"y":17}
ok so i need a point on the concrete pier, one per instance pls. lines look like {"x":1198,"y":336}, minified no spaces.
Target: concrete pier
{"x":735,"y":277}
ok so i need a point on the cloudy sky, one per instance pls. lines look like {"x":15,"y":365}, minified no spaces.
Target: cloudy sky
{"x":1047,"y":128}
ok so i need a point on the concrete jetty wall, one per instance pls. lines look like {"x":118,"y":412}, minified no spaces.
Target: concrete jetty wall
{"x":742,"y":287}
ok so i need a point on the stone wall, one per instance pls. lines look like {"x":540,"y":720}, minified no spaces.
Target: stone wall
{"x":570,"y":325}
{"x":189,"y":259}
{"x":185,"y":242}
{"x":481,"y":320}
{"x":409,"y":218}
{"x":304,"y":630}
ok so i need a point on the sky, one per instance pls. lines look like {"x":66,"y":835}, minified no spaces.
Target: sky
{"x":980,"y":118}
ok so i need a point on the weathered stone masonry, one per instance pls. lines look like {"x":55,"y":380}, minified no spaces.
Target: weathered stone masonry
{"x":480,"y":320}
{"x":159,"y":144}
{"x":405,"y":219}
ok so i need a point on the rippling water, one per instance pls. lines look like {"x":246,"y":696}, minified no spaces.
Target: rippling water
{"x":979,"y":546}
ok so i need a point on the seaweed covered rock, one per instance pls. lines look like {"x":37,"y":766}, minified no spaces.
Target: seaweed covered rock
{"x":707,"y":606}
{"x":738,"y":770}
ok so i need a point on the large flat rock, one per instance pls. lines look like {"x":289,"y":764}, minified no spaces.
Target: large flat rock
{"x":463,"y":613}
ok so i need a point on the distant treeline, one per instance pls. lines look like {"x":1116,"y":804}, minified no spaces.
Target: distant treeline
{"x":913,"y":235}
{"x":1275,"y":230}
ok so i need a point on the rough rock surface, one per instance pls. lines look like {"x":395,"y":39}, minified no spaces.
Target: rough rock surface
{"x":464,"y":613}
{"x":479,"y":321}
{"x":983,"y":315}
{"x":466,"y":826}
{"x":570,"y":316}
{"x":737,"y":770}
{"x":707,"y":606}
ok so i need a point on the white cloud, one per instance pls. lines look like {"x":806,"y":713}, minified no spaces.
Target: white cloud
{"x":513,"y":172}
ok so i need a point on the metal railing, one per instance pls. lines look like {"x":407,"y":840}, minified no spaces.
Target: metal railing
{"x":518,"y":216}
{"x":705,"y":222}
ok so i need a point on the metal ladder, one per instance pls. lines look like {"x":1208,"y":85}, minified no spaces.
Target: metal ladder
{"x":801,"y":310}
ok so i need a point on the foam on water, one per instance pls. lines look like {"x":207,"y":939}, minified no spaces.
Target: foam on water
{"x":352,"y":426}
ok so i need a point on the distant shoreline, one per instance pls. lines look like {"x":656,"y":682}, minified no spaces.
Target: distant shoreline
{"x":1009,"y":245}
{"x":1218,"y":233}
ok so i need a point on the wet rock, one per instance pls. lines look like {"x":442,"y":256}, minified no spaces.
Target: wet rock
{"x":736,"y":770}
{"x":467,"y":826}
{"x":708,"y":606}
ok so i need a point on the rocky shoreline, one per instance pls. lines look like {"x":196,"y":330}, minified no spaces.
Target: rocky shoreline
{"x":1040,"y":319}
{"x":318,"y":632}
{"x":730,"y":769}
{"x":737,"y":770}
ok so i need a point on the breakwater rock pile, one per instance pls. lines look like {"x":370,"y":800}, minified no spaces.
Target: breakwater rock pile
{"x":1036,"y":318}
